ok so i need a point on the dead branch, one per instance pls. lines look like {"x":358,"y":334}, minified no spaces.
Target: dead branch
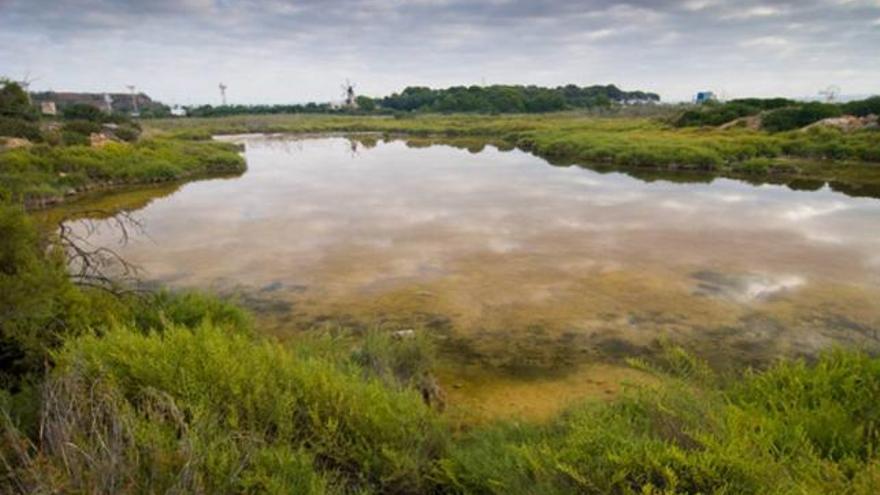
{"x":96,"y":266}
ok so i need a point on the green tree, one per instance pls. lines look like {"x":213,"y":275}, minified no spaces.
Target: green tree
{"x":365,"y":103}
{"x":14,"y":101}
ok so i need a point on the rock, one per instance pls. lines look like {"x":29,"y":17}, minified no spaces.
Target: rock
{"x":11,"y":143}
{"x":847,"y":123}
{"x":403,"y":334}
{"x":100,"y":139}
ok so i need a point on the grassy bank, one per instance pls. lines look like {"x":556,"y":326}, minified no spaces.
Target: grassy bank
{"x":823,"y":154}
{"x":41,"y":174}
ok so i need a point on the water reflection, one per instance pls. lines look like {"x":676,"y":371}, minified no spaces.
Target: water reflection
{"x":520,"y":266}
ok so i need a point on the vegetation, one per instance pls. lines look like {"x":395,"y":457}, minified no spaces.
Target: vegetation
{"x":821,"y":153}
{"x":66,"y":162}
{"x":791,"y":429}
{"x":458,"y":99}
{"x":776,"y":114}
{"x":43,"y":173}
{"x":108,"y":391}
{"x":511,"y":99}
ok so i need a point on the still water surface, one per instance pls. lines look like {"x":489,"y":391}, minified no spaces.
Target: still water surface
{"x":525,"y":270}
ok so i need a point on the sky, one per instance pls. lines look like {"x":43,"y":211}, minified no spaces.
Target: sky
{"x":290,"y":51}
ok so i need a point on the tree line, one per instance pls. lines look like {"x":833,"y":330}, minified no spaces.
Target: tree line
{"x":457,"y":99}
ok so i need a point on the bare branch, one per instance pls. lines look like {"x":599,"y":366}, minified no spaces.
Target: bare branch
{"x":99,"y":266}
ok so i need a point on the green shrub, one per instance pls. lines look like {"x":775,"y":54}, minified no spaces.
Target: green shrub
{"x":792,"y":429}
{"x":155,"y":311}
{"x":756,"y":166}
{"x":228,"y":414}
{"x":785,"y":119}
{"x":38,"y":304}
{"x":75,"y":139}
{"x":862,"y":108}
{"x":84,"y":127}
{"x":16,"y":127}
{"x":14,"y":101}
{"x":127,"y":133}
{"x":83,"y":111}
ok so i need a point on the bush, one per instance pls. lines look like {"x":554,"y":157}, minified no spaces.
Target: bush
{"x":127,"y":133}
{"x":206,"y":411}
{"x":785,"y":119}
{"x":38,"y":304}
{"x":862,"y":108}
{"x":14,"y":102}
{"x":20,"y":128}
{"x":793,"y":429}
{"x":75,"y":139}
{"x":756,"y":166}
{"x":83,"y":111}
{"x":84,"y":127}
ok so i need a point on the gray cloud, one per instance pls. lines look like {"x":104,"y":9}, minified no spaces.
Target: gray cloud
{"x":282,"y":51}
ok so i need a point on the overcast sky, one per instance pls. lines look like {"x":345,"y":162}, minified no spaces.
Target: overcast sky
{"x":276,"y":51}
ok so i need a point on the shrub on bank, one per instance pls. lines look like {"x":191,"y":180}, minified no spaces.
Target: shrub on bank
{"x":204,"y":410}
{"x":20,"y":128}
{"x":786,"y":119}
{"x":792,"y":429}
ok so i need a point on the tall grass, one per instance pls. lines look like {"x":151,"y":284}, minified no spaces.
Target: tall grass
{"x":792,"y":429}
{"x":206,"y":410}
{"x":219,"y":412}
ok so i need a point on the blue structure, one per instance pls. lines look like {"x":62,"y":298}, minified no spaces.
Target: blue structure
{"x":705,"y":96}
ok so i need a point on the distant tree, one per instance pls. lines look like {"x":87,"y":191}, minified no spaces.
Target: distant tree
{"x":862,"y":108}
{"x":365,"y":103}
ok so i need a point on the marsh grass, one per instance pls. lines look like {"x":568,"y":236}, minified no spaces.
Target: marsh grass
{"x":48,"y":174}
{"x":628,"y":142}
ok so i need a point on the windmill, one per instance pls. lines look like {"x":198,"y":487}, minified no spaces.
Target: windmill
{"x":25,"y":84}
{"x":134,"y":102}
{"x":223,"y":93}
{"x":831,"y":93}
{"x":348,"y":94}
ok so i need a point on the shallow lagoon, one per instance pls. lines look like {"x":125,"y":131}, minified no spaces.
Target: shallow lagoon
{"x":538,"y":280}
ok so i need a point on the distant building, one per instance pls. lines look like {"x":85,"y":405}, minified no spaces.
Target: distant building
{"x":48,"y":108}
{"x":113,"y":102}
{"x":178,"y":111}
{"x":705,"y":97}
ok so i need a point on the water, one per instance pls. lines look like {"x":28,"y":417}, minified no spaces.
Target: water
{"x":526,"y":271}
